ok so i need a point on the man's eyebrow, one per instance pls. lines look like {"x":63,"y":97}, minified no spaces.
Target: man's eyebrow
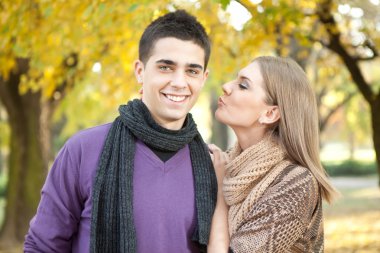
{"x":167,"y":62}
{"x":172,"y":63}
{"x":197,"y":66}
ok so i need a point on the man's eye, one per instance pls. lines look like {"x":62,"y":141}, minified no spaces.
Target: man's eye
{"x":164,"y":68}
{"x":193,"y":72}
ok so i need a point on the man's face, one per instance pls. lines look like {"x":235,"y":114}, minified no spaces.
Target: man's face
{"x":172,"y":79}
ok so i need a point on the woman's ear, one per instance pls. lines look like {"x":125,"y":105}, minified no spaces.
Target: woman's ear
{"x":270,"y":116}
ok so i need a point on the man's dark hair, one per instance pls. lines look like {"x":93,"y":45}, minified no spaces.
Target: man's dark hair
{"x":180,"y":25}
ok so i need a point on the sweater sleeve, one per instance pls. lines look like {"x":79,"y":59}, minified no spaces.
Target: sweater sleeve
{"x":59,"y":210}
{"x":281,"y":216}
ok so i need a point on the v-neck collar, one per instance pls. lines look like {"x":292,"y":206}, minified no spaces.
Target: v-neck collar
{"x":176,"y":159}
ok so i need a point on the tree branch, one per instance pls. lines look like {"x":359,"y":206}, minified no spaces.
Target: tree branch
{"x":230,"y":51}
{"x":323,"y":122}
{"x":320,"y":95}
{"x":70,"y":62}
{"x":368,"y":44}
{"x":9,"y":93}
{"x":325,"y":16}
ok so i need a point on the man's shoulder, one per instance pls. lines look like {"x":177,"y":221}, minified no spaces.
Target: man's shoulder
{"x":90,"y":136}
{"x":99,"y":130}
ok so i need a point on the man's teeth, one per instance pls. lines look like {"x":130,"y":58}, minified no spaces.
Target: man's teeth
{"x":176,"y":98}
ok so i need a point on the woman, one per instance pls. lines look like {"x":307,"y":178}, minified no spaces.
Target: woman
{"x":273,"y":183}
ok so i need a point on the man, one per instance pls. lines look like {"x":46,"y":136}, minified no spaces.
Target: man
{"x":144,"y":183}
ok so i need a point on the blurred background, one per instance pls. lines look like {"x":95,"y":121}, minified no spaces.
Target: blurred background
{"x":67,"y":65}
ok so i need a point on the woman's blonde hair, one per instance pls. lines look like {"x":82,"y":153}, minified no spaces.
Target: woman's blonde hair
{"x":288,"y":87}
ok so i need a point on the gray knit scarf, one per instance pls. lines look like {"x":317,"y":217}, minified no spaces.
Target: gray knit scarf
{"x":112,"y":226}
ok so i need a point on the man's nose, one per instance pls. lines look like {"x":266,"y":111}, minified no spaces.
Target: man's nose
{"x":179,"y":80}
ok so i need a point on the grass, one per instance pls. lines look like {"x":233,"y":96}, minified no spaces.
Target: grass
{"x":352,"y":223}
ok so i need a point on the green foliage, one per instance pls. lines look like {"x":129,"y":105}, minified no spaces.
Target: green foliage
{"x":224,"y":3}
{"x":357,"y":117}
{"x":3,"y":184}
{"x":351,"y":168}
{"x":4,"y":134}
{"x":4,"y":141}
{"x":55,"y":34}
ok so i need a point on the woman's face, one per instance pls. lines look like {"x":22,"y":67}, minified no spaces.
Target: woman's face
{"x":242,"y":103}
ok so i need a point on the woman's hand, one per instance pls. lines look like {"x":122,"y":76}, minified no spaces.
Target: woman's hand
{"x":219,"y":160}
{"x":219,"y":237}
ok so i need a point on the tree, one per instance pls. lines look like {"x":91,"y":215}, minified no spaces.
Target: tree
{"x":224,"y":63}
{"x":4,"y":140}
{"x":47,"y":47}
{"x":351,"y":55}
{"x":71,"y":61}
{"x":354,"y":38}
{"x":329,"y":80}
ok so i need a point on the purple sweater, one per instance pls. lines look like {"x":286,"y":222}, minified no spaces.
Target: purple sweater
{"x":163,"y":199}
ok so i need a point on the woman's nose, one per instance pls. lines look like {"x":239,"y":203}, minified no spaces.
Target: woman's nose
{"x":227,"y":88}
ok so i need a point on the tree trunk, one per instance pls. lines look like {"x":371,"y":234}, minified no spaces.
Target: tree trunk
{"x":28,"y":121}
{"x":375,"y":118}
{"x":219,"y":131}
{"x":352,"y":63}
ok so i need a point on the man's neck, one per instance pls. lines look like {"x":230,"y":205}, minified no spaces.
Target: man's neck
{"x":173,"y":125}
{"x":163,"y":155}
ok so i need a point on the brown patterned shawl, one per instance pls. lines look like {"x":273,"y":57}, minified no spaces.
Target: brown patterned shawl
{"x":274,"y":207}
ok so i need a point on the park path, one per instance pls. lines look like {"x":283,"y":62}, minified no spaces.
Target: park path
{"x":354,"y":182}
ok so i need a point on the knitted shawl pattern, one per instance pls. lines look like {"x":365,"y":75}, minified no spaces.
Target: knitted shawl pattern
{"x":112,"y":226}
{"x":248,"y":175}
{"x":274,"y":205}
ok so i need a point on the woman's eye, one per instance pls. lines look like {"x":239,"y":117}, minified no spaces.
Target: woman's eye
{"x":243,"y":86}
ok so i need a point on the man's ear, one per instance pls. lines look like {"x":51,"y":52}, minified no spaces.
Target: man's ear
{"x":205,"y":76}
{"x":139,"y":70}
{"x":270,"y":116}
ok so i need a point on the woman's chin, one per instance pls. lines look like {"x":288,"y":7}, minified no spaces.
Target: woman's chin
{"x":220,"y":118}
